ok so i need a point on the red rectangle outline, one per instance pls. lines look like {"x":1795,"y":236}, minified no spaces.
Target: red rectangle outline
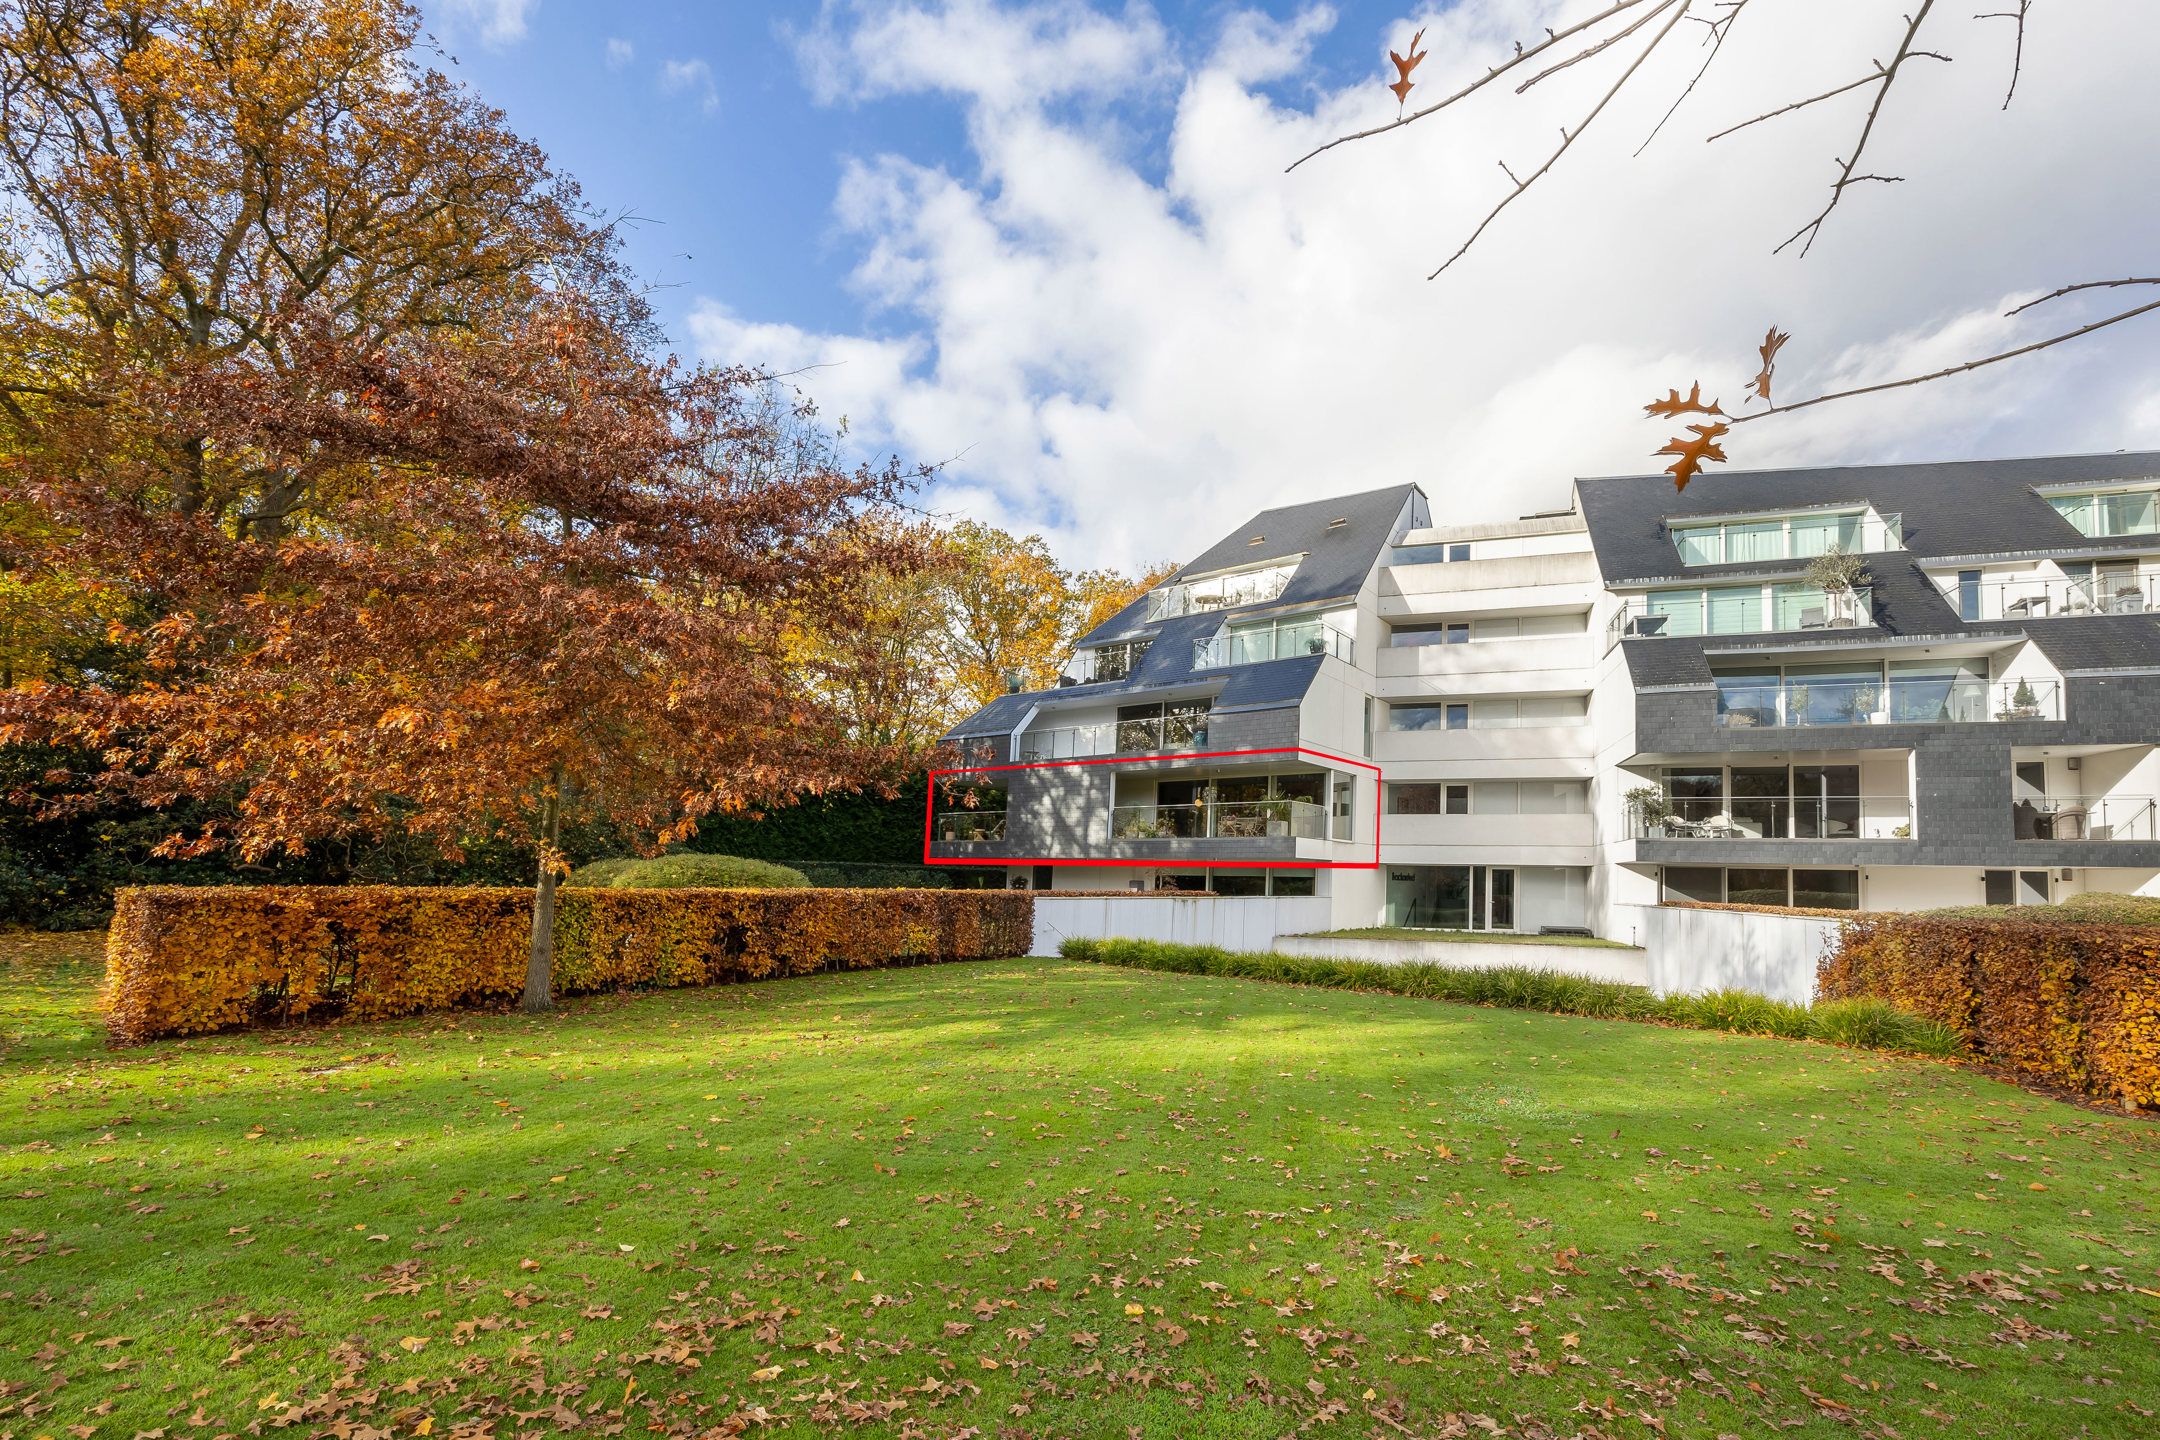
{"x":1379,"y":808}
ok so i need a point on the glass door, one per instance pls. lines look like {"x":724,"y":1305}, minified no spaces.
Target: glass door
{"x":1499,"y":899}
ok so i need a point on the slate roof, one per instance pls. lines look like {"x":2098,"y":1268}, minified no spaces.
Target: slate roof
{"x":1951,"y":508}
{"x":1337,"y":561}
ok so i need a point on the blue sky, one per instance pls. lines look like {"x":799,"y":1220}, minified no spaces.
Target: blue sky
{"x":1050,"y":245}
{"x":734,"y":177}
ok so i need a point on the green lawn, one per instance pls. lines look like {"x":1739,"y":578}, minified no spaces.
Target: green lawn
{"x":1474,"y":937}
{"x":1043,"y":1198}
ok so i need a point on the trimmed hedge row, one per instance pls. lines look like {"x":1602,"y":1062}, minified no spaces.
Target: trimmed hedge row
{"x":1864,"y":1023}
{"x":187,"y":959}
{"x":2072,"y":1003}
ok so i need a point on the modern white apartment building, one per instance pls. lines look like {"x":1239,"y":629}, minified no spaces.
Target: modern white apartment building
{"x":1518,"y":726}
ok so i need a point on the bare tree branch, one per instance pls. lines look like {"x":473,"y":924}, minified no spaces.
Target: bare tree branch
{"x":2017,"y":58}
{"x":2082,"y":285}
{"x":1586,"y":52}
{"x":1522,"y":53}
{"x":1569,"y":137}
{"x":1943,"y":374}
{"x":1888,"y":76}
{"x":1796,"y":105}
{"x":1719,"y":27}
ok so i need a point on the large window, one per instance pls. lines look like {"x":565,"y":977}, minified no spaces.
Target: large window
{"x":1897,"y":692}
{"x":2101,"y":513}
{"x":1488,"y":797}
{"x":1117,"y":660}
{"x":1753,"y":609}
{"x":1278,"y":639}
{"x":1763,"y":885}
{"x":1161,"y":726}
{"x":1434,"y":554}
{"x":1779,"y":537}
{"x":1488,"y":628}
{"x":1780,"y":802}
{"x":1495,"y":713}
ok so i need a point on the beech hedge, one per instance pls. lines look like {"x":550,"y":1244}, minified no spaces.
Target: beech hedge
{"x":2066,"y":1002}
{"x":187,"y":959}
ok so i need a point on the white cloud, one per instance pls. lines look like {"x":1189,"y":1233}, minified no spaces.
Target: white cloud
{"x":496,"y":22}
{"x":1257,"y":48}
{"x":1000,"y":56}
{"x":620,"y":52}
{"x":693,"y":78}
{"x":1132,"y":350}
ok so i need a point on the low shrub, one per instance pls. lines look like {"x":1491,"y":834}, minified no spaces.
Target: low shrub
{"x":1879,"y":1025}
{"x":187,"y":959}
{"x":686,"y":870}
{"x":2067,"y":999}
{"x":1744,"y":1013}
{"x":1870,"y":1024}
{"x":2093,"y":907}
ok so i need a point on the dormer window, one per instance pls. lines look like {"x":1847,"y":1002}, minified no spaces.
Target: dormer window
{"x":1738,"y":540}
{"x":2104,"y":513}
{"x":1223,"y":590}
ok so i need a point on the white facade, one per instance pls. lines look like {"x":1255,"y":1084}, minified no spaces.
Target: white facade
{"x":1442,"y":730}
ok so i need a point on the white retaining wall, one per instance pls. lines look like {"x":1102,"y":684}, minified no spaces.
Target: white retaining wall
{"x":1235,"y":922}
{"x":1596,"y":962}
{"x":1692,"y":951}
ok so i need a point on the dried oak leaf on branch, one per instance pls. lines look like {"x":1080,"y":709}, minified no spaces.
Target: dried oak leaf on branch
{"x":1403,"y":66}
{"x":1692,"y":453}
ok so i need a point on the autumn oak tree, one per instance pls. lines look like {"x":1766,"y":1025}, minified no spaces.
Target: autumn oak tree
{"x":321,"y":369}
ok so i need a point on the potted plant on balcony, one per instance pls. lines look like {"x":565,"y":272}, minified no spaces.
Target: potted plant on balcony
{"x":1652,"y":807}
{"x":2024,"y":705}
{"x":1838,"y":574}
{"x":1867,"y":705}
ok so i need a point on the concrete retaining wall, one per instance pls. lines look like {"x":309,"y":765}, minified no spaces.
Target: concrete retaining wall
{"x":1596,"y":962}
{"x":1234,"y":922}
{"x":1692,"y":951}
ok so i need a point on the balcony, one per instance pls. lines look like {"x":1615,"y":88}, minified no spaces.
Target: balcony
{"x":969,"y":827}
{"x":1221,"y":820}
{"x":1773,"y":609}
{"x":1832,"y":817}
{"x":1221,"y":592}
{"x":1795,"y":703}
{"x":2086,"y":817}
{"x":1114,"y":737}
{"x":2125,"y":590}
{"x":1272,"y":642}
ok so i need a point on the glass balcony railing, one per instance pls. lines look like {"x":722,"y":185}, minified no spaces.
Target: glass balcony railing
{"x":1748,"y":610}
{"x":2086,"y":817}
{"x":2131,"y":590}
{"x":1223,"y":592}
{"x":1221,"y":820}
{"x":969,"y":827}
{"x":1115,"y":737}
{"x":1742,"y":703}
{"x":1825,"y":817}
{"x":1277,"y":642}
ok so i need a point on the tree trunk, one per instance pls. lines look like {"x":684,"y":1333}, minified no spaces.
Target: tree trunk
{"x":540,"y":959}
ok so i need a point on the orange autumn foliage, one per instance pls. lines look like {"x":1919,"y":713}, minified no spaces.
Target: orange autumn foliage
{"x":188,"y":959}
{"x":2070,"y":1004}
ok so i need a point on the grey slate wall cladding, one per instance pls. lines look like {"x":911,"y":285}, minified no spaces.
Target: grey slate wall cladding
{"x":1963,"y":771}
{"x":1963,"y":781}
{"x":1063,"y":811}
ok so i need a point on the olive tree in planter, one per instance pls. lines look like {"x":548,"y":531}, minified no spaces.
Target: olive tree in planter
{"x":1652,"y":807}
{"x":1838,"y":574}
